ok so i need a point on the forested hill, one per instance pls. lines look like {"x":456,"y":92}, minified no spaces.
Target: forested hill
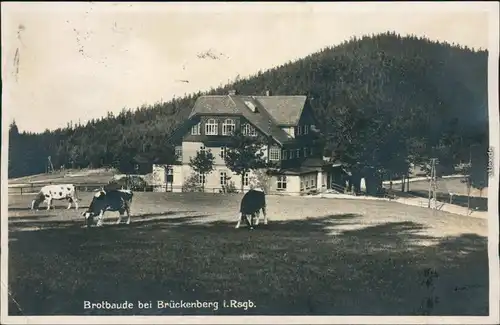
{"x":379,"y":100}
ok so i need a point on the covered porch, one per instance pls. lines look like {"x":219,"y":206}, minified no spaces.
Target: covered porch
{"x":314,"y":175}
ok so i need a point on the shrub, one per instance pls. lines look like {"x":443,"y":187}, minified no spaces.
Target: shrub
{"x":231,"y":188}
{"x":191,"y":184}
{"x":131,"y":182}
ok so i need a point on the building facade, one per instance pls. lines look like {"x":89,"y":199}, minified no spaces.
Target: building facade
{"x":292,"y":144}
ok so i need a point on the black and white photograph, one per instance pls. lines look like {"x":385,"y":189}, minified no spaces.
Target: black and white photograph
{"x":250,"y":162}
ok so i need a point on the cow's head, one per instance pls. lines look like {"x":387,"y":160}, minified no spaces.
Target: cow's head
{"x":92,"y":211}
{"x":37,"y":200}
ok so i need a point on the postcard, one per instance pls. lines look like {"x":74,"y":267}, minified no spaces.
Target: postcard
{"x":253,"y":163}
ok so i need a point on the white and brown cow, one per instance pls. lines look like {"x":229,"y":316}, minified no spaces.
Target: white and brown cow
{"x":55,"y":192}
{"x":110,"y":200}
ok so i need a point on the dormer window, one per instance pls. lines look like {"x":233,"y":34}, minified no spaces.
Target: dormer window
{"x":249,"y":130}
{"x":299,"y":130}
{"x":306,"y":129}
{"x":211,"y":127}
{"x":251,"y":106}
{"x":228,"y":127}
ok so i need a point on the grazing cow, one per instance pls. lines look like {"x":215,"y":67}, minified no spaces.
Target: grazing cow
{"x":112,"y":200}
{"x":252,"y":202}
{"x":55,"y":192}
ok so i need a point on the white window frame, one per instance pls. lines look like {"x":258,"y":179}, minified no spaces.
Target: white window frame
{"x":285,"y":154}
{"x":274,"y":154}
{"x":281,"y":182}
{"x":223,"y":178}
{"x":211,"y":127}
{"x":292,"y":153}
{"x":305,"y":152}
{"x":223,"y":152}
{"x":196,"y":129}
{"x":178,"y":152}
{"x":249,"y":130}
{"x":306,"y":129}
{"x":297,"y":152}
{"x":228,"y":126}
{"x":202,"y":179}
{"x":299,"y":130}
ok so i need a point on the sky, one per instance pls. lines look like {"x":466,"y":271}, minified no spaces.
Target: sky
{"x":66,"y":62}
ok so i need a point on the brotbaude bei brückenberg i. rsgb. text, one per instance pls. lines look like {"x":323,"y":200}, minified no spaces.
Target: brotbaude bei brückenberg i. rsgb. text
{"x":170,"y":304}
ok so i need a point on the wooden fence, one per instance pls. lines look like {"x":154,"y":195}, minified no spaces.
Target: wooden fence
{"x":33,"y":188}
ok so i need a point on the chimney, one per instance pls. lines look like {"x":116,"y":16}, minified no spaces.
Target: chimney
{"x":268,"y":93}
{"x":232,"y":92}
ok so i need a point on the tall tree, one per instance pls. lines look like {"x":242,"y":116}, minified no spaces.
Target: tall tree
{"x":202,"y":164}
{"x":244,"y":154}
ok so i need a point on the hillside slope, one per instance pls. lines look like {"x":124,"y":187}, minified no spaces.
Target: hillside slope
{"x":379,"y":100}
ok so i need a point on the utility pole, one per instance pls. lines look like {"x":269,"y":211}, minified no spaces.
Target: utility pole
{"x":50,"y":167}
{"x":432,"y":181}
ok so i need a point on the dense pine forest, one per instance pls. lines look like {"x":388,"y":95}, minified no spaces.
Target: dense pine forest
{"x":382,"y":102}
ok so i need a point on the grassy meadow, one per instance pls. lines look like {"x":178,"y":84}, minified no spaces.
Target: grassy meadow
{"x":315,"y":257}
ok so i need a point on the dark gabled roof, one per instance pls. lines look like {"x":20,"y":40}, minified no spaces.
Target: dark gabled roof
{"x":262,"y":119}
{"x":286,"y":110}
{"x":214,"y":105}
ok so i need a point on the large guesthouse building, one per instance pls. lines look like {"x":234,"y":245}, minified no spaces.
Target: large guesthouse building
{"x":288,"y":124}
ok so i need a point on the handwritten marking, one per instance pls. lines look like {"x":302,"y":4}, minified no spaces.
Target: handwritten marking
{"x":491,"y":169}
